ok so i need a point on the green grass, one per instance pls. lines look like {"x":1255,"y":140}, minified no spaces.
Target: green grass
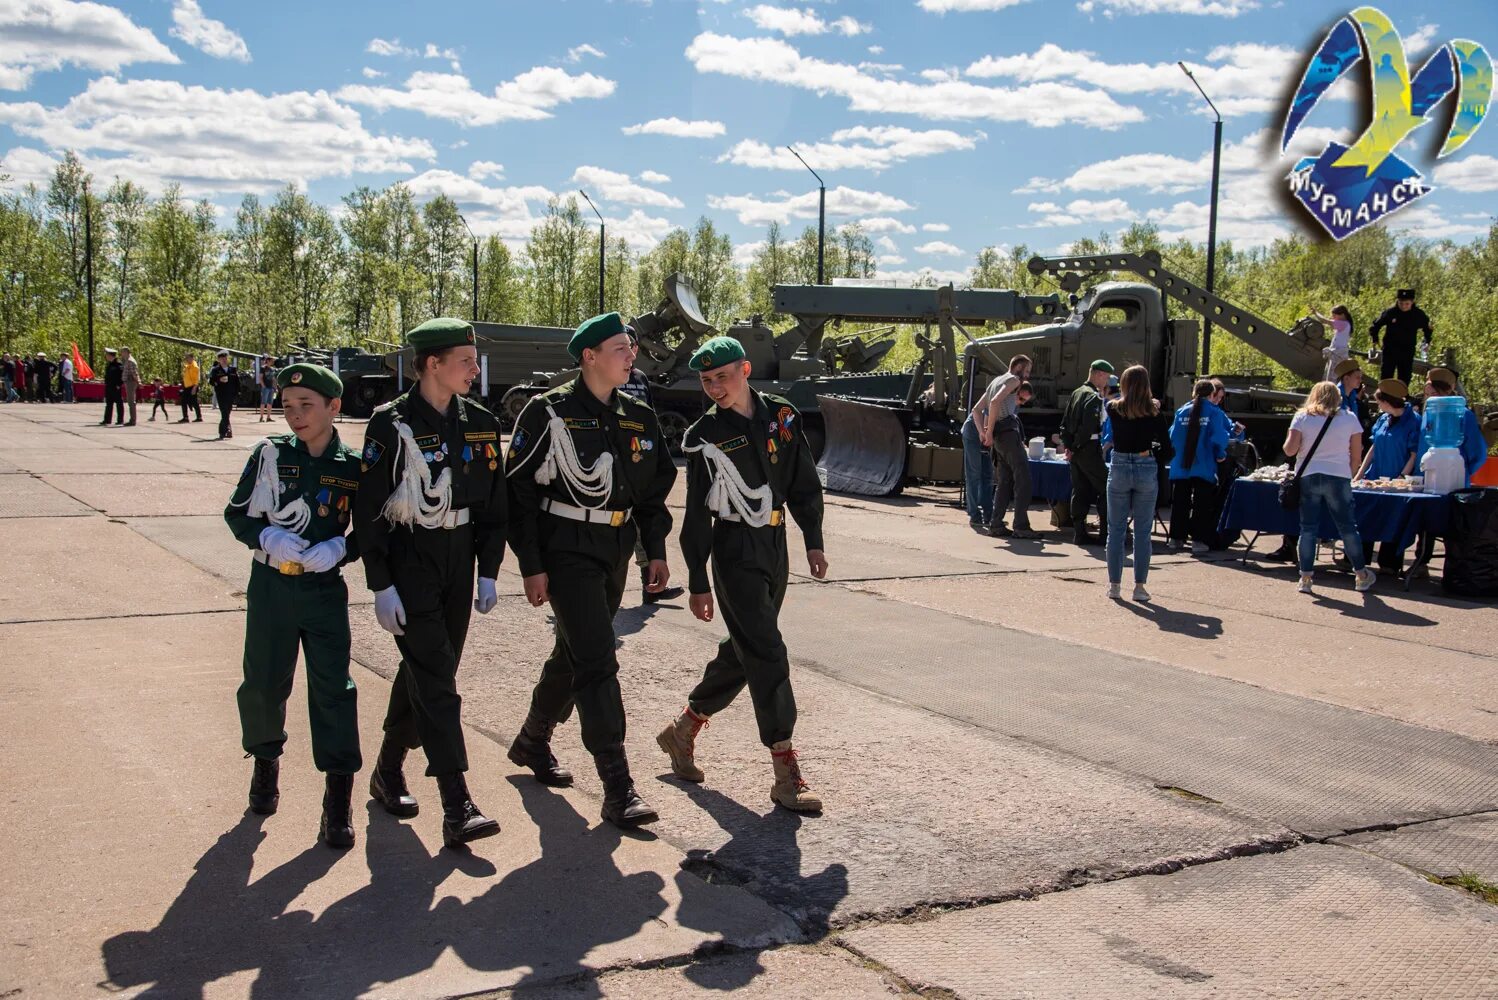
{"x":1468,"y":882}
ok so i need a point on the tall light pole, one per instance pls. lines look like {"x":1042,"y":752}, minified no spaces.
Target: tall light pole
{"x":475,"y":240}
{"x":1211,"y":219}
{"x":601,"y":246}
{"x":88,"y":268}
{"x":821,"y":217}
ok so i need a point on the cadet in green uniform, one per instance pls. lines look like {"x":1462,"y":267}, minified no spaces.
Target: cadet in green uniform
{"x":1082,"y":437}
{"x":431,"y":505}
{"x":292,"y":507}
{"x":588,"y":470}
{"x":747,"y":460}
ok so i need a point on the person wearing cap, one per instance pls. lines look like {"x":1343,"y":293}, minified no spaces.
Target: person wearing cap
{"x":430,"y":517}
{"x":42,"y":375}
{"x":1400,"y":323}
{"x":1391,"y":451}
{"x":114,"y":388}
{"x":588,"y":473}
{"x":748,"y":461}
{"x":224,"y":378}
{"x":1474,"y":447}
{"x":1082,"y":437}
{"x":132,"y":383}
{"x":292,"y":508}
{"x":1349,"y":378}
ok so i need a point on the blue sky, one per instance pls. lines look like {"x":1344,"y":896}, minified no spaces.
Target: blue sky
{"x":943,"y":125}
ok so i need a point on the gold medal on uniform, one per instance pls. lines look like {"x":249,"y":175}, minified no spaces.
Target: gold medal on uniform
{"x":492,"y":455}
{"x":343,"y":510}
{"x":322,"y":502}
{"x":467,"y":456}
{"x":770,"y":447}
{"x":634,"y":447}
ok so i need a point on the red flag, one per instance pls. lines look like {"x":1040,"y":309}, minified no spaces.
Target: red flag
{"x":81,"y":370}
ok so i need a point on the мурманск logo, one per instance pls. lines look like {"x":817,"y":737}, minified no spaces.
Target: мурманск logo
{"x":1349,"y":187}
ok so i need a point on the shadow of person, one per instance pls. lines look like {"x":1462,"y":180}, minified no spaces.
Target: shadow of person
{"x":1373,"y":608}
{"x":764,"y":856}
{"x":628,"y":621}
{"x":1179,"y":622}
{"x":552,"y":914}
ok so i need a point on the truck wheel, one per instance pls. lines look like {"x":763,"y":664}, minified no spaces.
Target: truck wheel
{"x":673,"y":429}
{"x":512,"y":404}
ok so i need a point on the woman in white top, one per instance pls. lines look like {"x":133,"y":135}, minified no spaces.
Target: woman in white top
{"x":1340,"y":322}
{"x":1326,"y":478}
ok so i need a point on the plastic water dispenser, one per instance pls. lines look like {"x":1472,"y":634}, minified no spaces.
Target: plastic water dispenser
{"x":1441,"y":424}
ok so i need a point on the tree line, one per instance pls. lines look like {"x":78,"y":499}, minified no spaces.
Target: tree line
{"x":289,"y":270}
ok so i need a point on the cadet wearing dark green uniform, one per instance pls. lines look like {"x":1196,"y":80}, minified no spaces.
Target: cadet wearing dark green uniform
{"x":747,"y":460}
{"x":431,"y":505}
{"x":292,"y":507}
{"x":1082,"y":437}
{"x":588,"y":470}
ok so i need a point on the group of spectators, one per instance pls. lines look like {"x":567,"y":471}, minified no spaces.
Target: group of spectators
{"x":31,"y":379}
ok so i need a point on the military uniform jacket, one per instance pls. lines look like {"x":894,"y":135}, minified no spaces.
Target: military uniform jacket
{"x":465,"y":439}
{"x":1082,"y":423}
{"x":225,"y":381}
{"x":1401,"y":326}
{"x":114,"y":375}
{"x":643,"y":473}
{"x":770,"y":447}
{"x":328,"y":483}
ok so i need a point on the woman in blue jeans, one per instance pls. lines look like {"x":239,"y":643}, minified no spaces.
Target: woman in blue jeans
{"x":1326,"y":478}
{"x":1136,"y":428}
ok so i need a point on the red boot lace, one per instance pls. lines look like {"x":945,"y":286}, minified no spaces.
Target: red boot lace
{"x":792,"y":760}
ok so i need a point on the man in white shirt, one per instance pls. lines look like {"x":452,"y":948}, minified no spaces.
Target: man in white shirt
{"x":65,"y":379}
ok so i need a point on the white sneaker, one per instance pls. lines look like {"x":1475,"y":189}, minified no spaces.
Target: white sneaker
{"x":1305,"y":583}
{"x":1365,"y":578}
{"x":1115,"y":592}
{"x":1200,"y":548}
{"x":1172,"y":546}
{"x":1140,"y":594}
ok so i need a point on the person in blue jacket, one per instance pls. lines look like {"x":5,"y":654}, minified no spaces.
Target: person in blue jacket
{"x":1200,"y":441}
{"x":1474,"y":448}
{"x":1235,"y":430}
{"x":1349,"y":376}
{"x":1392,"y":451}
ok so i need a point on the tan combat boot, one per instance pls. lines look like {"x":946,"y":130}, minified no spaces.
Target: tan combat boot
{"x":679,"y":740}
{"x":790,"y":789}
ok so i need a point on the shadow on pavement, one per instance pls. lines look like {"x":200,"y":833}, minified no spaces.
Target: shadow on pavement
{"x":1180,"y":622}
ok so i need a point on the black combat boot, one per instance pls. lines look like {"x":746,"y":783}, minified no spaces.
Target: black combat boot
{"x":337,"y":829}
{"x":265,"y":791}
{"x":532,"y":749}
{"x":669,"y":594}
{"x":622,"y":805}
{"x":387,"y":782}
{"x":461,"y":819}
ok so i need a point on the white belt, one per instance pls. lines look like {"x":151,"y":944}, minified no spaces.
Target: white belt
{"x":613,"y":518}
{"x":777,"y":517}
{"x":455,"y":518}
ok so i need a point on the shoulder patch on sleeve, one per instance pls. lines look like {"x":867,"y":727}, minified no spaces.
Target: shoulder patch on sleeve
{"x":373,"y":451}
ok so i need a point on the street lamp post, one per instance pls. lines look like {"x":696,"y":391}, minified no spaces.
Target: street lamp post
{"x":475,"y":240}
{"x":821,"y":217}
{"x":1211,"y":219}
{"x":88,"y":268}
{"x":601,"y":246}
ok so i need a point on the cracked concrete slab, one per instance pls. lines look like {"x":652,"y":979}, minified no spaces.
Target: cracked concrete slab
{"x":1450,"y":847}
{"x":1316,"y":921}
{"x":27,"y":496}
{"x":72,"y":456}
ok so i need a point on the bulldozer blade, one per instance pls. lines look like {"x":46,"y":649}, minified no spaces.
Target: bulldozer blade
{"x":866,"y":447}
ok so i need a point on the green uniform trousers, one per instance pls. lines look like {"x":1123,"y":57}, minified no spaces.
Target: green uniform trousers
{"x":433,"y":570}
{"x":1089,"y":486}
{"x":750,"y":571}
{"x":583,"y":670}
{"x":284,"y":611}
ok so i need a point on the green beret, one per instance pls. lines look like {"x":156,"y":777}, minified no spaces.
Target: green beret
{"x":593,"y":332}
{"x":715,"y":353}
{"x":1102,"y":366}
{"x":315,"y":377}
{"x":441,"y":332}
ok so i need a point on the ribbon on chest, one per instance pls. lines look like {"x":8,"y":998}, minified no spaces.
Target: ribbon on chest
{"x":266,"y":494}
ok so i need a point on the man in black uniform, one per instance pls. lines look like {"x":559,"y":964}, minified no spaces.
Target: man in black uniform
{"x":292,"y":508}
{"x":747,"y":460}
{"x":224,"y":378}
{"x":586,"y":466}
{"x":1082,"y":437}
{"x":114,"y":388}
{"x":42,"y":373}
{"x":1403,"y":320}
{"x":431,"y":505}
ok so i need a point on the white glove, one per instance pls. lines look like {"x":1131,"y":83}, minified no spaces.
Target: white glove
{"x":324,"y":555}
{"x":488,"y":596}
{"x":390,"y":611}
{"x":282,"y":545}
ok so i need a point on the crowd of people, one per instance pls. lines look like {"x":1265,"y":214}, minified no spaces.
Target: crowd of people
{"x":36,"y":379}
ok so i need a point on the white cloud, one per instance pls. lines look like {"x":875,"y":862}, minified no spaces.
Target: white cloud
{"x":370,"y":73}
{"x":935,"y":227}
{"x":45,"y":35}
{"x":1220,"y":8}
{"x":24,"y":165}
{"x":773,"y":61}
{"x":529,"y":96}
{"x":1427,"y":222}
{"x":610,"y":185}
{"x":876,"y":50}
{"x":887,"y":244}
{"x":155,"y":131}
{"x":1473,"y":173}
{"x":388,"y":47}
{"x":789,"y":21}
{"x":939,"y":248}
{"x":928,"y":277}
{"x":743,"y":253}
{"x":945,"y":6}
{"x":884,"y":224}
{"x":654,"y":177}
{"x":491,"y":211}
{"x":639,"y":230}
{"x":861,"y":147}
{"x":889,"y":259}
{"x":701,"y":129}
{"x":485,"y":170}
{"x":1082,"y":210}
{"x":216,"y":38}
{"x":782,"y":207}
{"x":576,"y":53}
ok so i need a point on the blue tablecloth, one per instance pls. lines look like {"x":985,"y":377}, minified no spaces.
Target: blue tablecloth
{"x":1382,"y":516}
{"x":1050,"y":480}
